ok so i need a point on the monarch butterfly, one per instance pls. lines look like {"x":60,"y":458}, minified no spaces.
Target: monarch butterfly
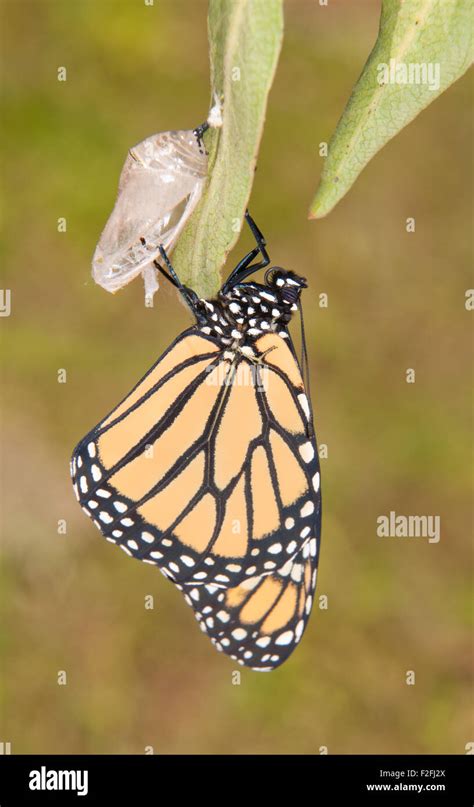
{"x":209,"y":468}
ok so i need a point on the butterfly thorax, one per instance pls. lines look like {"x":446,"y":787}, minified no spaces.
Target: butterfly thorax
{"x":249,"y":310}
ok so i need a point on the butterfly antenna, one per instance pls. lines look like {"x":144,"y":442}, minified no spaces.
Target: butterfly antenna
{"x":305,"y":367}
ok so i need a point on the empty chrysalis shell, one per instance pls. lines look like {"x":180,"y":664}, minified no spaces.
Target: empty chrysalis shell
{"x":160,"y":185}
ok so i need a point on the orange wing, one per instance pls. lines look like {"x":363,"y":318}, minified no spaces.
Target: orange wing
{"x":260,"y":622}
{"x":206,"y":468}
{"x":209,"y":470}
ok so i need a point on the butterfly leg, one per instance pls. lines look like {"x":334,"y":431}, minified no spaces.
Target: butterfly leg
{"x":245,"y":267}
{"x":198,"y":133}
{"x":188,"y":295}
{"x":170,"y":274}
{"x":258,"y":235}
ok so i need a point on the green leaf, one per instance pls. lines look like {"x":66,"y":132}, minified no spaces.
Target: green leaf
{"x":244,"y":40}
{"x":427,"y":43}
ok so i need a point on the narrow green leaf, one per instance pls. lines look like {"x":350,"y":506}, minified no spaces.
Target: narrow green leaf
{"x":245,"y":39}
{"x":423,"y":46}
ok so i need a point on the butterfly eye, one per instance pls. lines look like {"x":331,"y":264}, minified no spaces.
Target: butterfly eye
{"x":287,"y":284}
{"x":290,"y":294}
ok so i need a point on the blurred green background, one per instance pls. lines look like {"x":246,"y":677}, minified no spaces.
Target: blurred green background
{"x":138,"y":678}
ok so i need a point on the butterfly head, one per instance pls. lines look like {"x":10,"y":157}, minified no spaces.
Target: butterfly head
{"x":286,"y":284}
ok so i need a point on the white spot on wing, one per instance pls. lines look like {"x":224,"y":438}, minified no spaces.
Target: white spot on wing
{"x":239,"y":633}
{"x":284,"y":638}
{"x":233,"y":567}
{"x":148,"y":537}
{"x":297,"y":572}
{"x":307,"y":451}
{"x":299,"y":630}
{"x":263,"y":642}
{"x":96,"y":473}
{"x":307,"y":509}
{"x":121,"y":507}
{"x":274,"y":549}
{"x":304,"y":404}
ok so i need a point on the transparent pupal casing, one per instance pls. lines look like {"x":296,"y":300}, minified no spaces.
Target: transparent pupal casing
{"x":160,"y":185}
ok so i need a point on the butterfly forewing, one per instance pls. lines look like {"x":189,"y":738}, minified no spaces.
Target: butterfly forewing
{"x":206,"y":467}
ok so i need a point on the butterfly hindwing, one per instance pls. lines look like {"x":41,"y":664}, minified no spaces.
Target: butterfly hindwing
{"x":260,"y":622}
